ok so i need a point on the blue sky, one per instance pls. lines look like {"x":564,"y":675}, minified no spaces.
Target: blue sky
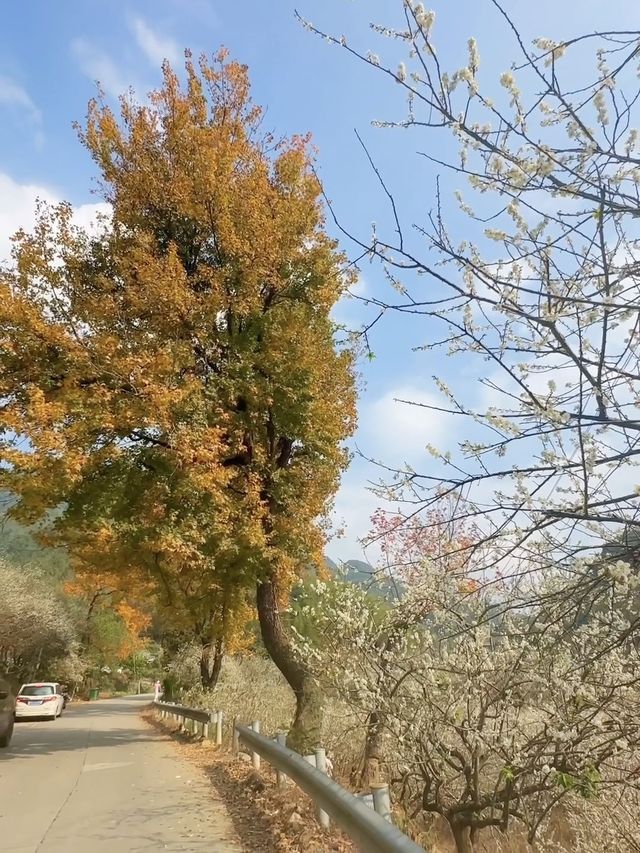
{"x":52,"y":53}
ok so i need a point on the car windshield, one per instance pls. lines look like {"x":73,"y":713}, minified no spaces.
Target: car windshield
{"x":37,"y":690}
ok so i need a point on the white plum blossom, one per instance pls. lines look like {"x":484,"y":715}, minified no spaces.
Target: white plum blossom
{"x":620,"y":572}
{"x":425,"y":19}
{"x":450,"y":670}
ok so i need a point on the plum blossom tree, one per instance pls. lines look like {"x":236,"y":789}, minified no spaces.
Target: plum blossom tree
{"x":534,"y":283}
{"x":520,"y":693}
{"x":36,"y":628}
{"x":489,"y":719}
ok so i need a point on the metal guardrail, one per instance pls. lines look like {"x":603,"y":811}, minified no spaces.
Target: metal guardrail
{"x":185,"y":713}
{"x":363,"y":825}
{"x":370,"y":831}
{"x":209,"y":720}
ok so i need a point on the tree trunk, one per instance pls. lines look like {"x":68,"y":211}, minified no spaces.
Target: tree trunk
{"x":36,"y":666}
{"x":373,"y":751}
{"x":211,"y":662}
{"x":462,"y":837}
{"x":306,"y":730}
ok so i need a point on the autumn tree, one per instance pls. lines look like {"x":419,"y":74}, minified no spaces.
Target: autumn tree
{"x":176,"y":375}
{"x":214,"y":611}
{"x":126,"y":599}
{"x":192,"y":598}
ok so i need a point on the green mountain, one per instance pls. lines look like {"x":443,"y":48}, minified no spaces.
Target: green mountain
{"x":363,"y":574}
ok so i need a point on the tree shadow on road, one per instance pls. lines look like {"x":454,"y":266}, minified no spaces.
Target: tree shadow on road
{"x":28,"y":742}
{"x":123,"y":705}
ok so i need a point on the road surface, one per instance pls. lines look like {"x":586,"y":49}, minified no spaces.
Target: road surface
{"x":99,"y":779}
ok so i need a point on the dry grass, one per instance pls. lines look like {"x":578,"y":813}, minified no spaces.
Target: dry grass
{"x":252,"y":688}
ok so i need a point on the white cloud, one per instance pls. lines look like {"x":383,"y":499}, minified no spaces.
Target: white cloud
{"x":353,"y":508}
{"x":401,"y":430}
{"x":17,"y":206}
{"x":17,"y":210}
{"x":155,"y":47}
{"x":89,"y":216}
{"x":360,"y":287}
{"x":100,"y":67}
{"x":14,"y":95}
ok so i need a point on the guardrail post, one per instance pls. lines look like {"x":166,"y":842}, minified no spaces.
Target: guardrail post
{"x":367,"y":799}
{"x":354,"y":814}
{"x":321,"y":765}
{"x":381,"y":800}
{"x":219,"y":729}
{"x":205,"y":730}
{"x":281,"y":779}
{"x":235,"y":743}
{"x":255,"y":757}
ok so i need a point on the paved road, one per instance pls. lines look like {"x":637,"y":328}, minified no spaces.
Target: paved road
{"x":99,"y":779}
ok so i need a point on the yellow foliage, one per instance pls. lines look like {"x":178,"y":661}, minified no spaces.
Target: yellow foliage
{"x":176,"y":376}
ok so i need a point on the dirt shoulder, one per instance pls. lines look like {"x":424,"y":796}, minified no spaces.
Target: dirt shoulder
{"x":266,"y":819}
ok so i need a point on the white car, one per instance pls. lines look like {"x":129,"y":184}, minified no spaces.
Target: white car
{"x":41,"y":699}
